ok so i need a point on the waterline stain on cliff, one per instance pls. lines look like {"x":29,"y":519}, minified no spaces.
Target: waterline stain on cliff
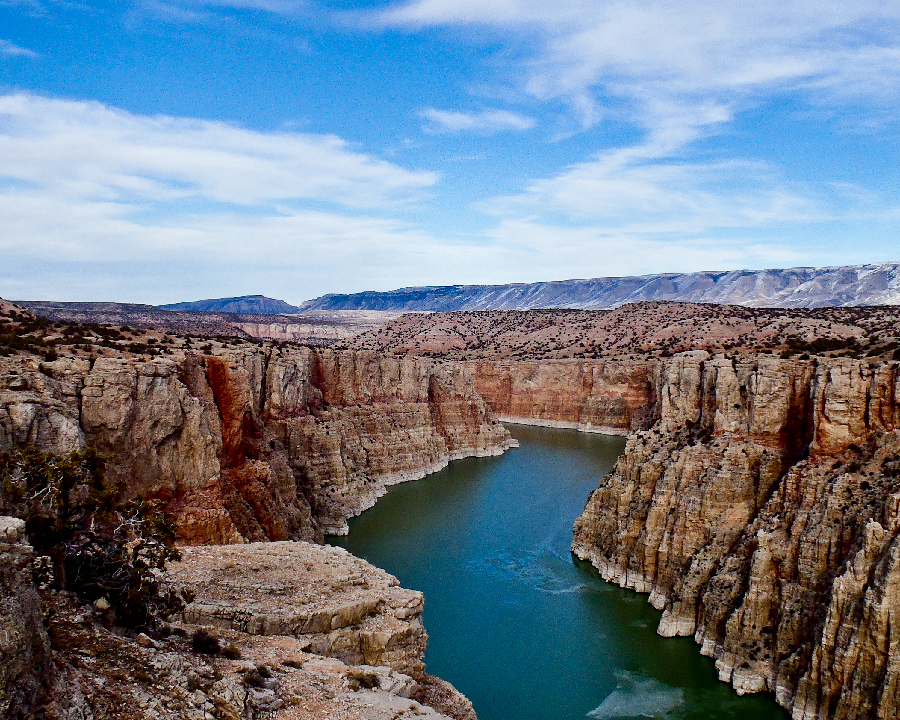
{"x":513,"y":622}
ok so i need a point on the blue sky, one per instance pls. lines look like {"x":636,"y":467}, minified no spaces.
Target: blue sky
{"x":166,"y":150}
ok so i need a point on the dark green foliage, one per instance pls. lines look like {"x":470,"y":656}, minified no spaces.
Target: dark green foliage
{"x":100,"y":544}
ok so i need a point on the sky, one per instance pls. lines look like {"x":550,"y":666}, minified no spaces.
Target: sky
{"x":161,"y":151}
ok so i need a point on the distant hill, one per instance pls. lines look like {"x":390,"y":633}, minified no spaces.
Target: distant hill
{"x":253,"y":304}
{"x":318,"y":327}
{"x":877,"y":284}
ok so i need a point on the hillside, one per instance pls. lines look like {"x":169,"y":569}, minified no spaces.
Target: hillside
{"x":317,"y":327}
{"x":877,"y":284}
{"x":246,"y":304}
{"x":643,"y":329}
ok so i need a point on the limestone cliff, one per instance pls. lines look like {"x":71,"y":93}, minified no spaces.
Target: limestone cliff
{"x":253,"y":443}
{"x":609,"y":396}
{"x":762,"y":514}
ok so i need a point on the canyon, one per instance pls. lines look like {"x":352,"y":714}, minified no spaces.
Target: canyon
{"x":756,"y":502}
{"x":757,"y":498}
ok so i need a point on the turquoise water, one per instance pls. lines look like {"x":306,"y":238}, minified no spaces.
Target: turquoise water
{"x":514,"y":622}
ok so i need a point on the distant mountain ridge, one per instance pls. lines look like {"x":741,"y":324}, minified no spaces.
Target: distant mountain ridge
{"x":245,"y":304}
{"x":875,"y":284}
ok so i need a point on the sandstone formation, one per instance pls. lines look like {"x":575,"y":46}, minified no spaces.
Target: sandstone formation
{"x":252,"y":443}
{"x":611,"y":396}
{"x":761,"y":513}
{"x":357,"y":656}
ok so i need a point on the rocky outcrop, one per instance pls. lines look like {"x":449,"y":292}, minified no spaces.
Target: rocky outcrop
{"x":239,"y":653}
{"x":605,"y":396}
{"x":761,"y":514}
{"x":26,"y":668}
{"x":324,"y":602}
{"x":252,"y":443}
{"x":336,"y":604}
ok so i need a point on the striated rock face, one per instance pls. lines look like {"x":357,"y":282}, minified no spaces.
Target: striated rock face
{"x":253,"y":443}
{"x":851,"y":285}
{"x":605,"y":396}
{"x":761,"y":514}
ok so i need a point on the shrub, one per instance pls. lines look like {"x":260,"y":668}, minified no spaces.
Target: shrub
{"x":205,"y":642}
{"x":231,"y":652}
{"x":261,"y":677}
{"x":359,"y":678}
{"x":100,"y":544}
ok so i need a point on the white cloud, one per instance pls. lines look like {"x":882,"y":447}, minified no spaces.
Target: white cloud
{"x":88,"y":151}
{"x":10,"y":50}
{"x":485,"y":121}
{"x":629,"y":190}
{"x":93,"y":197}
{"x":683,"y":55}
{"x":96,"y":203}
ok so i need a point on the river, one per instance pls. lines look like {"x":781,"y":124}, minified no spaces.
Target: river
{"x":514,"y":621}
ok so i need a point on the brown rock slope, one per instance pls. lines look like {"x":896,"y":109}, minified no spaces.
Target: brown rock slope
{"x":634,"y":331}
{"x":252,"y":443}
{"x":762,"y":514}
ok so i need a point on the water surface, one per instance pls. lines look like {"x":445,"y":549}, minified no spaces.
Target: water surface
{"x":514,"y":622}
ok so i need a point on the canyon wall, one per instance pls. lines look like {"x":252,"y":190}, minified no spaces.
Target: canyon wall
{"x":608,"y":396}
{"x":253,"y":443}
{"x":761,"y":513}
{"x":26,"y":666}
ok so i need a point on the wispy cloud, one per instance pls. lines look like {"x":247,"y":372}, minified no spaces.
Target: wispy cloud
{"x":8,"y":49}
{"x":141,"y":202}
{"x":628,"y":191}
{"x":87,"y":151}
{"x":679,"y":55}
{"x":483,"y":121}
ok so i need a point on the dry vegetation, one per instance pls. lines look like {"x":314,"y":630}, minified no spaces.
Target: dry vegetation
{"x":651,"y":328}
{"x":24,"y":334}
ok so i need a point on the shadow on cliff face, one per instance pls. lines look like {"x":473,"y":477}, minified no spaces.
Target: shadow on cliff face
{"x":250,"y":476}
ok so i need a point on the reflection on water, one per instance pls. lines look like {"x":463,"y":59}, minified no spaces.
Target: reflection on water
{"x":518,"y":625}
{"x":639,"y":696}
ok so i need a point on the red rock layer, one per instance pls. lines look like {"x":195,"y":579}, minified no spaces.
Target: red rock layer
{"x":611,"y":396}
{"x":254,"y":444}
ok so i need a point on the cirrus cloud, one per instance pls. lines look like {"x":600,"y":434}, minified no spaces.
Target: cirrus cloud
{"x":483,"y":121}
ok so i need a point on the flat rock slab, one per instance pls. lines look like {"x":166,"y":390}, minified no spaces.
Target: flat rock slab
{"x":339,"y":605}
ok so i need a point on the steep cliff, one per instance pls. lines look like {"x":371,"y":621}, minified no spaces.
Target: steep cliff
{"x":608,"y":396}
{"x":762,"y":514}
{"x":26,"y":667}
{"x":252,"y":443}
